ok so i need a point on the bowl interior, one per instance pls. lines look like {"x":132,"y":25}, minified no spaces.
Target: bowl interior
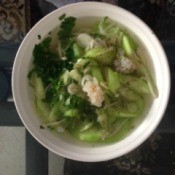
{"x":87,"y":12}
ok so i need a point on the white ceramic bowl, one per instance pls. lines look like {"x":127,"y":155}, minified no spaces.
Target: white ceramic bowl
{"x":68,"y":147}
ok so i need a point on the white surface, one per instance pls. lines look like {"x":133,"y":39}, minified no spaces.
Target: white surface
{"x":56,"y":164}
{"x":66,"y":146}
{"x":12,"y":151}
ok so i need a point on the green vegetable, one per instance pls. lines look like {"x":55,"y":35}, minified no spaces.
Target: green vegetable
{"x":77,"y":50}
{"x":146,"y":73}
{"x":57,"y":111}
{"x":102,"y":55}
{"x":109,"y":30}
{"x":46,"y":62}
{"x":138,"y":85}
{"x":71,"y":113}
{"x":66,"y":27}
{"x":62,"y":16}
{"x":37,"y":83}
{"x":95,"y":71}
{"x":90,"y":135}
{"x":42,"y":109}
{"x":128,"y":45}
{"x":112,"y":79}
{"x":85,"y":125}
{"x":121,"y":129}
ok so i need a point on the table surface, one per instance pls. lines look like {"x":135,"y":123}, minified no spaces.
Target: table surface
{"x":21,"y":154}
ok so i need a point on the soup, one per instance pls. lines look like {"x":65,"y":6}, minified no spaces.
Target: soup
{"x":90,"y":82}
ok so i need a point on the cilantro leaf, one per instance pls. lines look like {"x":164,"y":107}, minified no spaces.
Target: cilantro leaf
{"x":62,"y":16}
{"x":66,"y":27}
{"x":84,"y":107}
{"x":46,"y":62}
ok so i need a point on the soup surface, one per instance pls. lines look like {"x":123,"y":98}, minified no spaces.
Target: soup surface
{"x":90,"y":81}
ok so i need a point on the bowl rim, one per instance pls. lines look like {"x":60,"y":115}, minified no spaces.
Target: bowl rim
{"x":91,"y":157}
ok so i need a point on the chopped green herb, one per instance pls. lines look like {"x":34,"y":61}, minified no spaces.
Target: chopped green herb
{"x":66,"y":27}
{"x":62,"y":17}
{"x":46,"y":62}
